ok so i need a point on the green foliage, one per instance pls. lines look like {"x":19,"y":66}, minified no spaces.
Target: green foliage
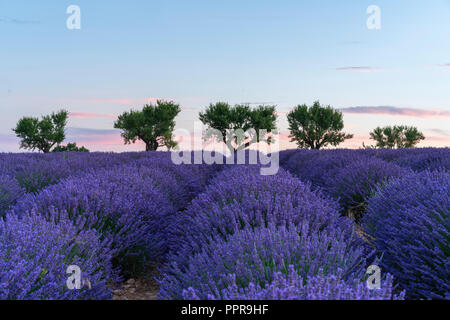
{"x":42,"y":134}
{"x":70,"y":147}
{"x":239,"y":126}
{"x":396,"y":136}
{"x":153,"y":125}
{"x":35,"y":181}
{"x":316,"y":126}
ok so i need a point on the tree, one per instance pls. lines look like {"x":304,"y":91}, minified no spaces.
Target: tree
{"x":239,"y":126}
{"x":42,"y":134}
{"x":70,"y":147}
{"x":316,"y":126}
{"x":396,"y":136}
{"x":153,"y":125}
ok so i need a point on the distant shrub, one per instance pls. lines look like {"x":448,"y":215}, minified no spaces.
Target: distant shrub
{"x":254,"y":256}
{"x":10,"y":191}
{"x":409,"y":222}
{"x":35,"y":254}
{"x":70,"y":147}
{"x":353,"y":184}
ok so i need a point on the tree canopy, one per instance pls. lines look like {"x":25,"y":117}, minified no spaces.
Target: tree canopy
{"x":70,"y":147}
{"x":239,"y":126}
{"x":154,"y":125}
{"x":316,"y":126}
{"x":396,"y":137}
{"x":42,"y":134}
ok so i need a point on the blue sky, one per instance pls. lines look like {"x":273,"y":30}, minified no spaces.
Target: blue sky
{"x":196,"y":52}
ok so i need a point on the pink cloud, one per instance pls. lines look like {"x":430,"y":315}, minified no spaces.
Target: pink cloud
{"x":395,"y":111}
{"x":127,"y":101}
{"x":91,"y":115}
{"x":284,"y":136}
{"x":102,"y":140}
{"x":123,"y":101}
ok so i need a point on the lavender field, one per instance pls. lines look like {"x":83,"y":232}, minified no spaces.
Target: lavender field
{"x":225,"y":231}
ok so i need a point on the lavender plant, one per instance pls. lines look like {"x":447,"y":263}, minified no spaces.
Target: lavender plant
{"x":291,"y":286}
{"x":356,"y":182}
{"x":320,"y":167}
{"x":427,"y":159}
{"x":119,"y":204}
{"x":255,"y":256}
{"x":409,"y":222}
{"x":35,"y":254}
{"x":241,"y":198}
{"x":10,"y":191}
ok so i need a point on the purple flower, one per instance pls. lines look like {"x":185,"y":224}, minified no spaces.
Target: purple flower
{"x":35,"y":255}
{"x":241,"y":198}
{"x":356,"y":182}
{"x":120,"y":204}
{"x":259,"y":258}
{"x":291,"y":286}
{"x":10,"y":191}
{"x":409,"y":222}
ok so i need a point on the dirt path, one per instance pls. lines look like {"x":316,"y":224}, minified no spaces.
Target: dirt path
{"x":142,"y":288}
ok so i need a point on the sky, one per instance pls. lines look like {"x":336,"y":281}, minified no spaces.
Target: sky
{"x":284,"y":53}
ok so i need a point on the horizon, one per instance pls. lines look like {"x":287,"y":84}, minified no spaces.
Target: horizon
{"x":128,"y":54}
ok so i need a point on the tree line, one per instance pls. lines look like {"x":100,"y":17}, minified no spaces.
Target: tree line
{"x":314,"y":127}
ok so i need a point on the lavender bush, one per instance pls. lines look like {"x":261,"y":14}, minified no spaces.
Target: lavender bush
{"x":119,"y":203}
{"x":34,"y":172}
{"x":430,"y":159}
{"x":409,"y":222}
{"x":417,"y":159}
{"x":35,"y":253}
{"x":320,"y":167}
{"x":291,"y":286}
{"x":185,"y":181}
{"x":10,"y":191}
{"x":241,"y":198}
{"x":254,"y":256}
{"x":354,"y":183}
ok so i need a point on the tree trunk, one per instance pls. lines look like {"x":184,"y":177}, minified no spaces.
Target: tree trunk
{"x":151,"y":146}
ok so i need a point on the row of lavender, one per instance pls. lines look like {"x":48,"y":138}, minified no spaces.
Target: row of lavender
{"x":400,"y":200}
{"x":250,"y":236}
{"x":108,"y":214}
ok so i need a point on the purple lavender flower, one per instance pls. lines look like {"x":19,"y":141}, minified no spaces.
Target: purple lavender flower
{"x":241,"y":198}
{"x":291,"y":286}
{"x":409,"y":222}
{"x":10,"y":191}
{"x":356,"y":182}
{"x":119,"y":204}
{"x":253,"y":256}
{"x":320,"y":166}
{"x":35,"y":254}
